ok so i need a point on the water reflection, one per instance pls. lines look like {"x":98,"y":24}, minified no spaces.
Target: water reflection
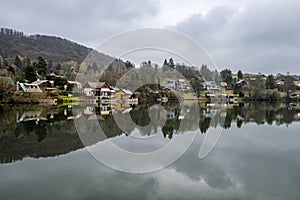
{"x":35,"y":131}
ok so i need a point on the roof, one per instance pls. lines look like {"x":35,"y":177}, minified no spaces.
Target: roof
{"x":74,"y":82}
{"x":94,"y":85}
{"x":241,"y":81}
{"x":39,"y":82}
{"x":126,"y":91}
{"x":115,"y":89}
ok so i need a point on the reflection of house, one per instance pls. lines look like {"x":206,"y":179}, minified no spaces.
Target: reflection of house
{"x":123,"y":94}
{"x":170,"y":114}
{"x":30,"y":115}
{"x":104,"y":109}
{"x":121,"y":107}
{"x":29,"y":87}
{"x":89,"y":110}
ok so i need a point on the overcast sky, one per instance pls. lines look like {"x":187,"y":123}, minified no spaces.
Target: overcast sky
{"x":254,"y":35}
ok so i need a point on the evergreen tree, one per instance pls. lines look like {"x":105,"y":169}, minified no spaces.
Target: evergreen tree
{"x":41,"y":66}
{"x":240,"y":75}
{"x":270,"y":82}
{"x":165,"y":62}
{"x":30,"y":73}
{"x":226,"y":76}
{"x":171,"y":63}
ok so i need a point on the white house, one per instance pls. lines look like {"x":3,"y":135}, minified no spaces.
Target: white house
{"x":30,"y":87}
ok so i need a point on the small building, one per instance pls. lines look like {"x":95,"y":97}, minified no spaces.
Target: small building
{"x":171,"y":84}
{"x":223,"y":84}
{"x":123,"y":94}
{"x":211,"y":85}
{"x":241,"y":83}
{"x":30,"y":87}
{"x":98,"y":89}
{"x":280,"y":82}
{"x":297,"y":83}
{"x":76,"y":85}
{"x":42,"y":83}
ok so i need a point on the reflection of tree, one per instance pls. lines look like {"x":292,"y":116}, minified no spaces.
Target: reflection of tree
{"x":270,"y":116}
{"x":227,"y":122}
{"x":168,"y":131}
{"x":204,"y":124}
{"x":110,"y":127}
{"x":40,"y":130}
{"x":27,"y":128}
{"x":239,"y":123}
{"x":140,"y":116}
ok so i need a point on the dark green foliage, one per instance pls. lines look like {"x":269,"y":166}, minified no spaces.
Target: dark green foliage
{"x":204,"y":124}
{"x":30,"y":74}
{"x":41,"y":66}
{"x":226,"y":76}
{"x":60,"y":82}
{"x":171,"y":63}
{"x":165,"y":62}
{"x":240,"y":75}
{"x":270,"y":82}
{"x":239,"y":123}
{"x":168,"y":131}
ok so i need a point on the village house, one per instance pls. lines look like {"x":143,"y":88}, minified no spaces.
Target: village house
{"x":123,"y":94}
{"x":241,"y":83}
{"x":297,"y":83}
{"x":179,"y":84}
{"x":223,"y":84}
{"x":211,"y":85}
{"x":280,"y":82}
{"x":43,"y":84}
{"x":99,"y":90}
{"x":29,"y":87}
{"x":76,"y":85}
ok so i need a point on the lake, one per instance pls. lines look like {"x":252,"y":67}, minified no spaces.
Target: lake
{"x":245,"y":151}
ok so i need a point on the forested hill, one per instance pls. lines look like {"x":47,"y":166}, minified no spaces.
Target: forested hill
{"x":14,"y":43}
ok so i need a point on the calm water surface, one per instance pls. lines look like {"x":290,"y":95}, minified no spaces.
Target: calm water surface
{"x":256,"y":157}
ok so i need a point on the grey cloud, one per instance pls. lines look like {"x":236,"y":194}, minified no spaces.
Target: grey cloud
{"x":263,"y":37}
{"x":89,"y":22}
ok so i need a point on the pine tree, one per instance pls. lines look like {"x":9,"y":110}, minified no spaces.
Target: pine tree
{"x":41,"y":66}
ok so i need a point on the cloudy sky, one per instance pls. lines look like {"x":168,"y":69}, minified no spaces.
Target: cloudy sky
{"x":255,"y":36}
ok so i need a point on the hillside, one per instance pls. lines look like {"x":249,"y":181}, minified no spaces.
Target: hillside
{"x":60,"y":50}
